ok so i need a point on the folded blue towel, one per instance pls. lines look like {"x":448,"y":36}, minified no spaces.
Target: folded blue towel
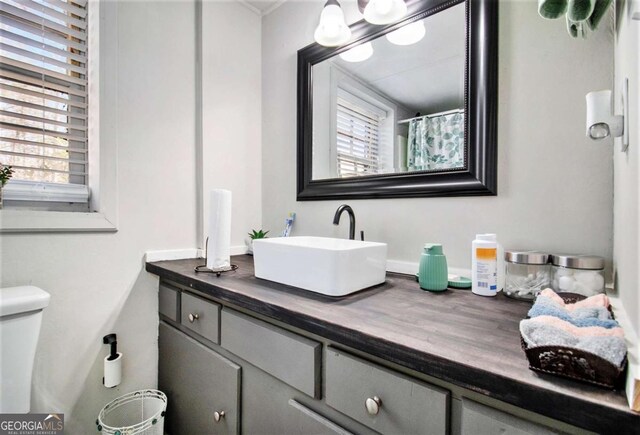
{"x":536,"y":333}
{"x":595,"y":312}
{"x":585,"y":316}
{"x":583,"y":312}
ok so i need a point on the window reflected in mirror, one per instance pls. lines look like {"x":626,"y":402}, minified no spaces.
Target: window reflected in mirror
{"x":394,"y":104}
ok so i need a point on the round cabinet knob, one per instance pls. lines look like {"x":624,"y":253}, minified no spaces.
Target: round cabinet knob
{"x":218,"y":415}
{"x":193,"y":317}
{"x":373,"y":405}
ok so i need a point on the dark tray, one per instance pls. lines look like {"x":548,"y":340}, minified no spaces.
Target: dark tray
{"x":574,"y":363}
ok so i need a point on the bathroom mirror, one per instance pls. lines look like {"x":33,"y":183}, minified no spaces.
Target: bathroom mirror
{"x":404,"y":110}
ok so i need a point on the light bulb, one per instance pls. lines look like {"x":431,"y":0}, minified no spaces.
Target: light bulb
{"x":332,"y":29}
{"x":599,"y":131}
{"x":358,"y":53}
{"x":383,"y":7}
{"x":384,"y":11}
{"x":407,"y":35}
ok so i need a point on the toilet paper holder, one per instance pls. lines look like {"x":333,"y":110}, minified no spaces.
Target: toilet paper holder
{"x":111,"y":340}
{"x":112,"y":363}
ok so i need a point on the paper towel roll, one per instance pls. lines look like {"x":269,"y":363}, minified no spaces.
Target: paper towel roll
{"x":218,"y":249}
{"x":112,"y":371}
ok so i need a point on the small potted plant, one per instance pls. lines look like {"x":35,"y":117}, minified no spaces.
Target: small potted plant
{"x":6,"y":172}
{"x":253,"y":235}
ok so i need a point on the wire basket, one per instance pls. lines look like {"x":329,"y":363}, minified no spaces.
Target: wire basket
{"x":574,"y":363}
{"x":137,"y":413}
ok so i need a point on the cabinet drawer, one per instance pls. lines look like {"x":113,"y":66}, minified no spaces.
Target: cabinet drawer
{"x":201,"y":316}
{"x":308,"y":422}
{"x":168,"y":298}
{"x":480,"y":419}
{"x":198,"y":383}
{"x":291,"y":358}
{"x":403,"y":405}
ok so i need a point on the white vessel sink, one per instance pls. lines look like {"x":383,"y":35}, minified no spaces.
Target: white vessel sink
{"x":332,"y":267}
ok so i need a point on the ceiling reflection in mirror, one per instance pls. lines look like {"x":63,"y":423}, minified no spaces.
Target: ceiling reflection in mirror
{"x":394,"y":104}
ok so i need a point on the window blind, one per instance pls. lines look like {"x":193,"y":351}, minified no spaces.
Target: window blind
{"x":43,"y":90}
{"x":358,"y":140}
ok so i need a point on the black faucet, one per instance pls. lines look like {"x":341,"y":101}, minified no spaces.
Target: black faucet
{"x":352,"y":219}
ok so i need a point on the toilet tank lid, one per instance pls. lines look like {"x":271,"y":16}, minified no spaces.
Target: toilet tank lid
{"x":16,"y":300}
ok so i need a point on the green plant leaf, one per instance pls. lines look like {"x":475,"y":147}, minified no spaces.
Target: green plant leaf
{"x":260,"y":234}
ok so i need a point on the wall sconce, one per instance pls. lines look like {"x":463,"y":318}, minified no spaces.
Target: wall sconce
{"x":332,"y":29}
{"x":382,"y":11}
{"x":601,"y":120}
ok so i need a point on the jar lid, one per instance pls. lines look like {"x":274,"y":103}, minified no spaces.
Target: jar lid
{"x":526,"y":257}
{"x":591,"y":262}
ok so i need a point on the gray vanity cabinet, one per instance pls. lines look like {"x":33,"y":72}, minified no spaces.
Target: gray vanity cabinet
{"x":169,"y":301}
{"x":307,"y":421}
{"x":383,"y":400}
{"x":201,"y":316}
{"x":269,"y":406}
{"x":202,"y":387}
{"x":293,"y":359}
{"x":478,"y":419}
{"x":227,"y":372}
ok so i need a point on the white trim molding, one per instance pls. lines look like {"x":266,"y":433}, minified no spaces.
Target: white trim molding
{"x":410,"y":268}
{"x":21,"y":190}
{"x":186,"y":254}
{"x":173,"y":254}
{"x":632,"y":389}
{"x":262,"y":12}
{"x":30,"y":221}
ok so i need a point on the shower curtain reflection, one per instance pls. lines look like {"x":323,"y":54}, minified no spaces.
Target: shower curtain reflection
{"x":436,"y":142}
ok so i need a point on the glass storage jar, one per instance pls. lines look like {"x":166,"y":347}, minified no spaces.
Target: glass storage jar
{"x":528,"y":273}
{"x":582,"y":274}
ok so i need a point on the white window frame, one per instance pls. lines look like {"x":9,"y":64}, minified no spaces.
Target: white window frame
{"x":341,"y":79}
{"x":102,"y":141}
{"x":376,"y":111}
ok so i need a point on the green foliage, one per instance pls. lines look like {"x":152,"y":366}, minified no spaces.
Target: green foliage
{"x":260,"y":234}
{"x":6,"y":172}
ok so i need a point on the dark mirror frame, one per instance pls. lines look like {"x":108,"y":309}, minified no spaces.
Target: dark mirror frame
{"x":479,"y":177}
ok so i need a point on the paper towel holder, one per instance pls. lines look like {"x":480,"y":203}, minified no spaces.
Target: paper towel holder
{"x":202,"y":268}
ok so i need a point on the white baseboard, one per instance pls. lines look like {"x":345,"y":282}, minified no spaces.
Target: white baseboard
{"x":239,"y":250}
{"x":185,"y":254}
{"x":632,"y":389}
{"x":172,"y":254}
{"x":410,"y":268}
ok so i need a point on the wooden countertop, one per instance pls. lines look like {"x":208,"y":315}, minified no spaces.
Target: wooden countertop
{"x":468,"y":340}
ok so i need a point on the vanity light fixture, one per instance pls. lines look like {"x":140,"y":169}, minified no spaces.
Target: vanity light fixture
{"x":332,"y":30}
{"x":382,"y":11}
{"x":359,"y":53}
{"x":601,"y":120}
{"x":407,"y":35}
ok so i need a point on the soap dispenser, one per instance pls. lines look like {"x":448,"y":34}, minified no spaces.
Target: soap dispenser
{"x":433,"y":275}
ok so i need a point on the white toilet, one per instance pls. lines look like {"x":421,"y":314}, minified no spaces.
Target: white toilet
{"x":20,"y":318}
